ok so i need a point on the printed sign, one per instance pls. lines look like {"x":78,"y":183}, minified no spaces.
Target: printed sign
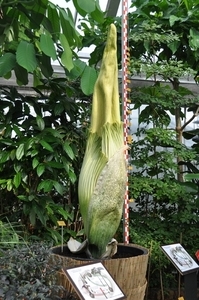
{"x":180,"y":258}
{"x":93,"y":281}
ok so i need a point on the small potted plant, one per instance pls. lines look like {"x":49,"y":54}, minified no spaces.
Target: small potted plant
{"x":102,"y":184}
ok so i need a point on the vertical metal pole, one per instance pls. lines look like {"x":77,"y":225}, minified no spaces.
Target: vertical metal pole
{"x":62,"y":239}
{"x":190,"y":286}
{"x":125,"y":110}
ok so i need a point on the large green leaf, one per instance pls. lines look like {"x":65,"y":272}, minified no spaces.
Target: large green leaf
{"x":9,"y":185}
{"x":17,"y":130}
{"x":67,"y":148}
{"x":40,"y":169}
{"x":36,"y":19}
{"x":81,"y":11}
{"x":187,"y":4}
{"x":30,"y":142}
{"x":34,"y":152}
{"x":40,"y":122}
{"x":190,"y":134}
{"x":64,"y":213}
{"x":26,"y":56}
{"x":68,"y":28}
{"x":17,"y":179}
{"x":59,"y":187}
{"x":191,"y":176}
{"x":194,"y":38}
{"x":173,"y":19}
{"x":47,"y":25}
{"x":88,"y":5}
{"x":54,"y":18}
{"x":190,"y":186}
{"x":3,"y":181}
{"x":8,"y":75}
{"x":47,"y":46}
{"x":78,"y":69}
{"x":55,"y":133}
{"x":174,"y":46}
{"x":21,"y":74}
{"x":66,"y":57}
{"x":4,"y":156}
{"x":46,"y":145}
{"x":58,"y":109}
{"x":55,"y":164}
{"x":17,"y":167}
{"x":7,"y":63}
{"x":72,"y":176}
{"x":46,"y":185}
{"x":98,"y":15}
{"x":37,"y":76}
{"x":41,"y":215}
{"x":20,"y":151}
{"x":35,"y":162}
{"x":76,"y":35}
{"x":88,"y":80}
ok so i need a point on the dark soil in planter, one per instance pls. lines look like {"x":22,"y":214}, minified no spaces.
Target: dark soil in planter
{"x":123,"y":251}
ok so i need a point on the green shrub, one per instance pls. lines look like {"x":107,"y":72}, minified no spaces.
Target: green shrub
{"x":25,"y":274}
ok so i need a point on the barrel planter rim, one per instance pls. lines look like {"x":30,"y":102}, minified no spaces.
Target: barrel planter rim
{"x":140,"y":250}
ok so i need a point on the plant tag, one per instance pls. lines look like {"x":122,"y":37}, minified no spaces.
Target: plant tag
{"x":197,"y":254}
{"x":61,"y":223}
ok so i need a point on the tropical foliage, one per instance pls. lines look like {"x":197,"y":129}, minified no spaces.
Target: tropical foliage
{"x":41,"y":144}
{"x":43,"y":133}
{"x":163,"y":45}
{"x":36,"y":33}
{"x":25,"y":273}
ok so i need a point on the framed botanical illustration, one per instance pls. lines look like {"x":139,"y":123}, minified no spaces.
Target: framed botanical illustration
{"x":93,"y":281}
{"x":180,"y":258}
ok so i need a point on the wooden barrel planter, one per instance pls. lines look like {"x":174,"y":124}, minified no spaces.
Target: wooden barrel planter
{"x":128,"y":268}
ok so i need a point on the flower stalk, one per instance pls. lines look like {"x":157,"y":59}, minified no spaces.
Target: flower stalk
{"x":103,"y":174}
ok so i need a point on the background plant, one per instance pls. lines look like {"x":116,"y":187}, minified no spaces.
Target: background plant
{"x":166,"y":208}
{"x":41,"y":139}
{"x":35,"y":33}
{"x":163,"y":42}
{"x":26,"y":273}
{"x":42,"y":134}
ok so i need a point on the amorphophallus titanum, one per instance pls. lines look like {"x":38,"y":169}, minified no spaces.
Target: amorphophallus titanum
{"x":103,"y":174}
